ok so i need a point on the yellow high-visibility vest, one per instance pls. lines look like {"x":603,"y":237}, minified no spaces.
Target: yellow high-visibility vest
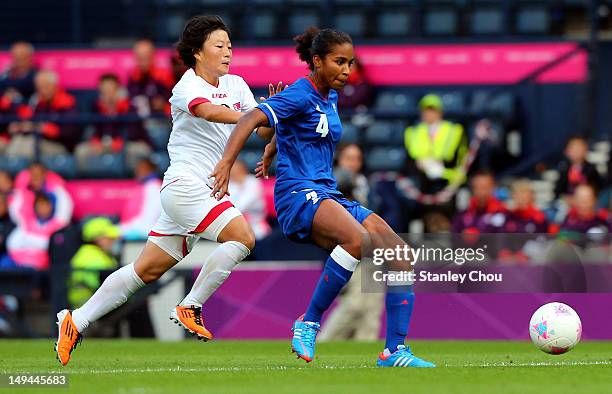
{"x":445,"y":146}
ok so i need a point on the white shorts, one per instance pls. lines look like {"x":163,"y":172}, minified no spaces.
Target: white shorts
{"x":189,"y":213}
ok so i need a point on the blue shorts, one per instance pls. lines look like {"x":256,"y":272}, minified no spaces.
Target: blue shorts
{"x":297,"y":205}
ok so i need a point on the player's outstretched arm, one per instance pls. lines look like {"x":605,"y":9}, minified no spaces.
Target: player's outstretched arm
{"x":217,"y":113}
{"x":249,"y":122}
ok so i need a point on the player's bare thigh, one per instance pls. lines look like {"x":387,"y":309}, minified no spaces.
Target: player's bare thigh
{"x":383,"y":236}
{"x":239,"y":230}
{"x":333,"y":225}
{"x":153,"y":262}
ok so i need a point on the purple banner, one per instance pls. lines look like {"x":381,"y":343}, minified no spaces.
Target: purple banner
{"x":262,"y":303}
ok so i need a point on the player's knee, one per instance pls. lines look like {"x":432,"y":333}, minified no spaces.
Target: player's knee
{"x":151,"y":274}
{"x":353,"y":247}
{"x":244,"y":235}
{"x":248,"y":239}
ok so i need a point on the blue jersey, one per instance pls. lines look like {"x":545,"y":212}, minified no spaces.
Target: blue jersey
{"x":307,"y":130}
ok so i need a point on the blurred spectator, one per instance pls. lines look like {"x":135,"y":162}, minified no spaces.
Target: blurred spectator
{"x":49,"y":99}
{"x":485,"y":213}
{"x":575,"y":170}
{"x":6,"y":227}
{"x":525,"y":217}
{"x":436,"y":148}
{"x":357,"y":93}
{"x":141,"y":212}
{"x":112,"y":137}
{"x":247,"y":194}
{"x":17,"y":80}
{"x":583,"y":216}
{"x":349,"y":158}
{"x":40,"y":206}
{"x":27,"y":244}
{"x":149,"y":87}
{"x":6,"y":183}
{"x":98,"y":253}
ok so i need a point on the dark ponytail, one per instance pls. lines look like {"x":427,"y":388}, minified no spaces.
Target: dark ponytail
{"x":318,"y":42}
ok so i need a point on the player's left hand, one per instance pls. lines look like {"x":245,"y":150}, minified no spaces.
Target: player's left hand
{"x":221,"y":176}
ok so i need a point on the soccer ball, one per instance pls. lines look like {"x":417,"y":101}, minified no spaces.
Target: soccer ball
{"x":555,"y":328}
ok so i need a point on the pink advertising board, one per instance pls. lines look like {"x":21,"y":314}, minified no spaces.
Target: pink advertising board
{"x":100,"y":197}
{"x":385,"y":64}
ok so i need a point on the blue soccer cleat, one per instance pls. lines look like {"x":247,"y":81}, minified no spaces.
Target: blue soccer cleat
{"x":402,"y":357}
{"x":304,"y":336}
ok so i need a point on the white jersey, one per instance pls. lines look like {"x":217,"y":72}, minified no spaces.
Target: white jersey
{"x":196,"y":145}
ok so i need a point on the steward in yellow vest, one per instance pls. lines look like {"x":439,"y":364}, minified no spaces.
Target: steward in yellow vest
{"x":436,"y":148}
{"x":97,"y":254}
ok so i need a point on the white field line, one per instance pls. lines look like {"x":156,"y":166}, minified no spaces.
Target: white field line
{"x":285,"y":368}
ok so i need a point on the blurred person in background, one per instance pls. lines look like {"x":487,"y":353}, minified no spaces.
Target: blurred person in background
{"x":6,"y":227}
{"x":247,"y":194}
{"x":575,"y":169}
{"x":54,"y":138}
{"x":141,"y":212}
{"x":149,"y":87}
{"x":485,"y":213}
{"x":99,"y":252}
{"x":113,"y":137}
{"x":436,"y":149}
{"x":583,"y":216}
{"x":37,"y":178}
{"x":17,"y":80}
{"x":27,"y":244}
{"x":584,"y":234}
{"x":349,"y":158}
{"x":523,"y":218}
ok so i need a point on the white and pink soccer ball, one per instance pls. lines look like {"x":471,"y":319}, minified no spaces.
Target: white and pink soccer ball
{"x":555,"y":328}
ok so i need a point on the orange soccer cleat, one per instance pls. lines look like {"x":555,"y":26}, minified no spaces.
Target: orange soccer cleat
{"x":68,"y":336}
{"x":190,"y":318}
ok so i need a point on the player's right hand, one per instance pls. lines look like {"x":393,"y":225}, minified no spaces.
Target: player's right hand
{"x":221,"y":176}
{"x":266,"y":162}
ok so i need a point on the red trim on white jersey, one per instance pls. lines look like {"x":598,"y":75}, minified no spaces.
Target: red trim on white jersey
{"x":196,"y":101}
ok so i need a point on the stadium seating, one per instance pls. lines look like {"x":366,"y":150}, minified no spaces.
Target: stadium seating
{"x":65,"y":165}
{"x":384,"y":133}
{"x":441,"y":21}
{"x":487,"y":20}
{"x":533,"y":19}
{"x":13,"y":165}
{"x":386,"y":159}
{"x":395,"y":23}
{"x":104,"y":166}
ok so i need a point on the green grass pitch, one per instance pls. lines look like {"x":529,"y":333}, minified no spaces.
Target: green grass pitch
{"x":148,"y":366}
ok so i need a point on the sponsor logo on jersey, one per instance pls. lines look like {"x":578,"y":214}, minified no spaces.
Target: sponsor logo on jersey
{"x":237,"y":106}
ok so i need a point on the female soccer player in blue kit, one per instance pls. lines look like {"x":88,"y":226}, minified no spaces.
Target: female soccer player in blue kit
{"x":310,"y":208}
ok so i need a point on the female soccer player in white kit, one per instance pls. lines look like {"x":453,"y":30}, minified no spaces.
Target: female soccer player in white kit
{"x":206,"y":104}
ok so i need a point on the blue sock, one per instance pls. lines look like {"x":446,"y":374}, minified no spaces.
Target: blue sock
{"x":399,"y":302}
{"x":332,"y":280}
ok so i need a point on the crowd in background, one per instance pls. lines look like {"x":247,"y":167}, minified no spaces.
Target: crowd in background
{"x":440,"y":159}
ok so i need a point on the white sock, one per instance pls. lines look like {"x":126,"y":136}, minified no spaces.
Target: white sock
{"x":215,"y":271}
{"x":113,"y":293}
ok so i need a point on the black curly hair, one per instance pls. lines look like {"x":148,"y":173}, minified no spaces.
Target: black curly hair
{"x":318,"y":42}
{"x":196,"y":32}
